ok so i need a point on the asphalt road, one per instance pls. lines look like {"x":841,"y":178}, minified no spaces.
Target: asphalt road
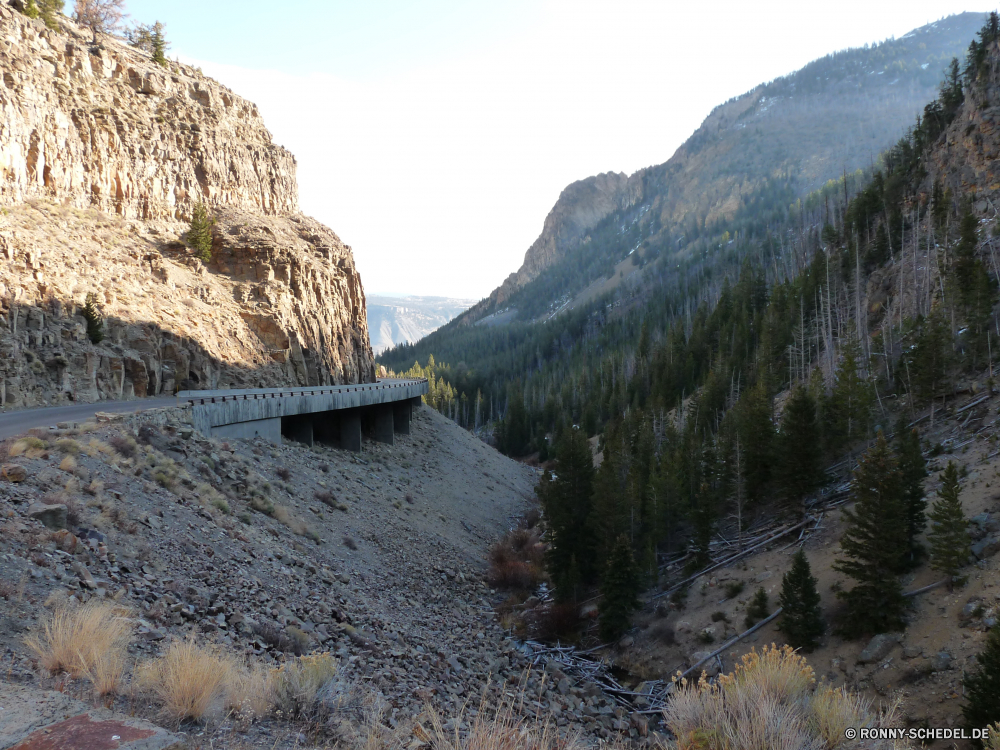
{"x":15,"y":422}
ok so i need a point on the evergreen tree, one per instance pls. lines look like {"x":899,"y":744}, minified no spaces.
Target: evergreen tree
{"x":159,"y":45}
{"x":757,"y":609}
{"x":199,"y":235}
{"x":928,"y":360}
{"x":31,"y":9}
{"x":974,"y":288}
{"x":95,"y":321}
{"x":515,"y":428}
{"x":949,"y":535}
{"x":982,"y":687}
{"x":619,"y":590}
{"x":567,"y":504}
{"x":801,"y":618}
{"x":756,"y":433}
{"x":852,"y":399}
{"x":49,"y":10}
{"x":913,"y":470}
{"x":873,"y":545}
{"x":799,"y":470}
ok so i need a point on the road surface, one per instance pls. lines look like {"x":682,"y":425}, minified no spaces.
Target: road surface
{"x":15,"y":422}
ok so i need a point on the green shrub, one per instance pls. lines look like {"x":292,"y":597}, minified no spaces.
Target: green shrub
{"x":199,"y":235}
{"x":95,"y":321}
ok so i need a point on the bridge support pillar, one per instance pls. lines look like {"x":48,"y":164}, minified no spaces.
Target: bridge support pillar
{"x":383,"y":431}
{"x":298,"y":428}
{"x":401,"y":417}
{"x":350,"y":430}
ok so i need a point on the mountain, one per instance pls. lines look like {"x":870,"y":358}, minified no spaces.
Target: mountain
{"x":105,"y":155}
{"x":764,"y":149}
{"x":397,"y":320}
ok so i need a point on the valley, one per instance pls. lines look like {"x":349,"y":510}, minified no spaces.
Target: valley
{"x":717,"y":468}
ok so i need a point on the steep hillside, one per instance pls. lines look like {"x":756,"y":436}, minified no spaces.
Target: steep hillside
{"x":104,"y":155}
{"x":395,"y":320}
{"x":766,"y":148}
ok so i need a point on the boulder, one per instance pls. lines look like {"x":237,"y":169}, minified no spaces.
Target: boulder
{"x":941,"y":662}
{"x":51,"y":516}
{"x":879,"y":647}
{"x":986,"y":547}
{"x":13,"y":472}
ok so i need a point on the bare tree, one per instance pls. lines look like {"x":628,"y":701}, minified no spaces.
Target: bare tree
{"x":100,"y":16}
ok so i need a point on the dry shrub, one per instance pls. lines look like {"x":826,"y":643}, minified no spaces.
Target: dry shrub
{"x":502,"y":728}
{"x":349,"y":543}
{"x":993,"y":743}
{"x":769,"y":702}
{"x":125,"y":446}
{"x":297,"y":525}
{"x":5,"y":446}
{"x":90,"y":641}
{"x":514,"y":574}
{"x":95,"y":448}
{"x":66,"y":445}
{"x":251,"y":693}
{"x":283,"y":473}
{"x":189,"y":680}
{"x":299,"y":683}
{"x":68,"y":464}
{"x":30,"y":447}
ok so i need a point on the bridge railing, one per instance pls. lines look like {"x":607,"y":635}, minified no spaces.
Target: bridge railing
{"x":252,"y":394}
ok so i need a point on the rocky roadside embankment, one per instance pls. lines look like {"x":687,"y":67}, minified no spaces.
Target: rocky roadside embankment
{"x":269,"y":551}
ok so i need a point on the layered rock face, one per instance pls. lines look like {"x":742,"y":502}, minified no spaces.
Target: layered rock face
{"x":105,"y":127}
{"x":103,"y":155}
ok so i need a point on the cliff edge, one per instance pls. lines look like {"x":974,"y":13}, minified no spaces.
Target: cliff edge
{"x":103,"y":156}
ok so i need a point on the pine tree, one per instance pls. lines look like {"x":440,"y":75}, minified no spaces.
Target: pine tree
{"x":801,"y":618}
{"x":757,"y":609}
{"x":567,"y":504}
{"x":949,"y":535}
{"x":619,"y":590}
{"x":982,"y":687}
{"x":756,"y":433}
{"x":913,"y":469}
{"x":930,"y":357}
{"x":95,"y":321}
{"x":799,"y":470}
{"x":873,"y":545}
{"x":48,"y":11}
{"x":159,"y":45}
{"x":851,"y":400}
{"x":31,"y":9}
{"x":199,"y":235}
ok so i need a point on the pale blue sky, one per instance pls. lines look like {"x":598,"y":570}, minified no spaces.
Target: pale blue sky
{"x":434,"y":136}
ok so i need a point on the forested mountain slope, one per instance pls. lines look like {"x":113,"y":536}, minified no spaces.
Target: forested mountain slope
{"x":761,"y":150}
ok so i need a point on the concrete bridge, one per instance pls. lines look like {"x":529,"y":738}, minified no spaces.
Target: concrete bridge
{"x":334,"y":414}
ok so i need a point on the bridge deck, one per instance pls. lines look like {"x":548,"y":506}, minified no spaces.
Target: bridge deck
{"x":332,"y":414}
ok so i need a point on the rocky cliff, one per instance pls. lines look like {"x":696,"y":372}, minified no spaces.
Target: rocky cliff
{"x":103,"y":155}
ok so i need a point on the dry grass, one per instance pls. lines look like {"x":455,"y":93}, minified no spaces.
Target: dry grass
{"x":190,"y":681}
{"x":89,"y":642}
{"x":30,"y":447}
{"x":297,"y":525}
{"x":502,"y":728}
{"x":993,"y":743}
{"x":252,"y":691}
{"x":68,"y":464}
{"x":769,"y":702}
{"x":299,"y":683}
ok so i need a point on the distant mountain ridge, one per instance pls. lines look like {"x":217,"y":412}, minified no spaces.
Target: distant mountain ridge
{"x":397,"y":320}
{"x":775,"y":143}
